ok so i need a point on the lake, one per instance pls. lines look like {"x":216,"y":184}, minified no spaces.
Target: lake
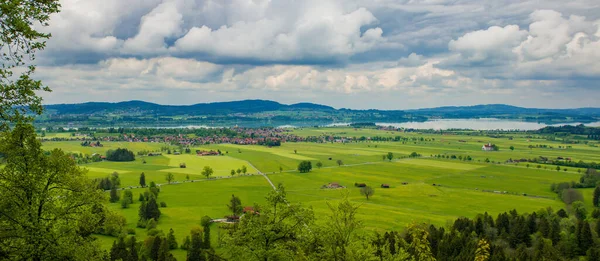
{"x":478,"y":124}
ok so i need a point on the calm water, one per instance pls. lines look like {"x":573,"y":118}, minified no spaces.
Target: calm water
{"x":478,"y":124}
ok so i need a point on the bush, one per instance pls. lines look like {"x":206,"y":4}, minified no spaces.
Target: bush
{"x":186,"y":243}
{"x":154,"y":232}
{"x":304,"y":166}
{"x":131,"y":231}
{"x":571,"y":195}
{"x":114,"y":224}
{"x":163,"y":204}
{"x":151,"y":224}
{"x":142,"y":224}
{"x":125,"y":203}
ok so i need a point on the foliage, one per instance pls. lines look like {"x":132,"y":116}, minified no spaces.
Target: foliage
{"x":571,"y":195}
{"x":143,"y":180}
{"x":267,"y":236}
{"x":389,"y":156}
{"x":367,"y":191}
{"x":149,"y":210}
{"x":207,"y":171}
{"x":19,"y":41}
{"x":319,"y":164}
{"x":169,"y":177}
{"x":120,"y":154}
{"x":114,"y":195}
{"x":483,"y":250}
{"x":171,"y":240}
{"x":113,"y":224}
{"x":195,"y":251}
{"x":47,"y":203}
{"x":304,"y":166}
{"x":235,"y":206}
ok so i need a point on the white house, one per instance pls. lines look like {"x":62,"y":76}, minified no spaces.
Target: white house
{"x":487,"y":147}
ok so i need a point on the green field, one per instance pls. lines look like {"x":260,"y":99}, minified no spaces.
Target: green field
{"x":462,"y":188}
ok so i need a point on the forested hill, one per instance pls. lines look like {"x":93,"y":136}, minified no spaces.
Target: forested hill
{"x":254,"y":106}
{"x":141,"y":107}
{"x":271,"y":113}
{"x":499,"y":109}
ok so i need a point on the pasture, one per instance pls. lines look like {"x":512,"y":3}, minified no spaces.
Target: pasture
{"x":463,"y":188}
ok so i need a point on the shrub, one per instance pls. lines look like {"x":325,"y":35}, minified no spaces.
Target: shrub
{"x":141,"y":224}
{"x":151,"y":224}
{"x":163,"y":204}
{"x":304,"y":166}
{"x":131,"y":231}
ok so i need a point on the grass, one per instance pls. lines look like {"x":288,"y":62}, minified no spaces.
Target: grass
{"x":461,"y":192}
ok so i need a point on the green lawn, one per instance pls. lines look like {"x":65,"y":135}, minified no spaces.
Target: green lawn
{"x":459,"y":191}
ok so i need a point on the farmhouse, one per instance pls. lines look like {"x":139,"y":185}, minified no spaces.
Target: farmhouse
{"x":488,"y":147}
{"x":333,"y":185}
{"x":249,"y":210}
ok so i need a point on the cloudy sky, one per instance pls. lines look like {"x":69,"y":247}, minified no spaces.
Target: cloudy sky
{"x":384,"y":54}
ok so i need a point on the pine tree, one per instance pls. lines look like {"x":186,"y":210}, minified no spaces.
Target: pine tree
{"x":593,"y":253}
{"x":114,"y":195}
{"x":155,"y":248}
{"x":119,"y":250}
{"x":163,"y":251}
{"x":142,"y":211}
{"x":152,"y":210}
{"x":479,"y":228}
{"x":171,"y":239}
{"x":133,"y":253}
{"x":195,"y":252}
{"x":596,"y":199}
{"x":544,"y":227}
{"x":532,"y":223}
{"x":521,"y":253}
{"x":186,"y":243}
{"x":585,"y":237}
{"x":143,"y":180}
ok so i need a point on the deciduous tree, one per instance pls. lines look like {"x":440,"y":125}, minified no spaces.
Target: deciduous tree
{"x":235,"y":205}
{"x":47,"y":203}
{"x":367,"y":191}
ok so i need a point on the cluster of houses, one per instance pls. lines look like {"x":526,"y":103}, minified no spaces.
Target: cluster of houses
{"x":207,"y":153}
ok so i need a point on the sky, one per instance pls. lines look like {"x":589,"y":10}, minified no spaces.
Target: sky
{"x":381,"y":54}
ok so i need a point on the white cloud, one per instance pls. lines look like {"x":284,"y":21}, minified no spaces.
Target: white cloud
{"x":162,"y":22}
{"x":491,"y":43}
{"x":313,"y":35}
{"x":434,"y":51}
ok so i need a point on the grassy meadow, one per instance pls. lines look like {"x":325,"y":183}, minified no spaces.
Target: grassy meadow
{"x":462,"y":188}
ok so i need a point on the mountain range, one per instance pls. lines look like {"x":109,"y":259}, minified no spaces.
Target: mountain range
{"x":143,"y":113}
{"x":255,"y":106}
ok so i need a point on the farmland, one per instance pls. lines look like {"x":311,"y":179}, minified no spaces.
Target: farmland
{"x":462,"y":188}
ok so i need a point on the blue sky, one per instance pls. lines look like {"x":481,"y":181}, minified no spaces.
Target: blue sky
{"x":380,"y":54}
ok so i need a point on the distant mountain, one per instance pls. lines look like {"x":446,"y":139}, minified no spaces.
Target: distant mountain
{"x":268,"y":113}
{"x":141,"y":107}
{"x":496,"y":109}
{"x":253,"y":106}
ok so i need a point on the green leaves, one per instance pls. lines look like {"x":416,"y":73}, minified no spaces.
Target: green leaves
{"x":47,"y":202}
{"x":20,"y":41}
